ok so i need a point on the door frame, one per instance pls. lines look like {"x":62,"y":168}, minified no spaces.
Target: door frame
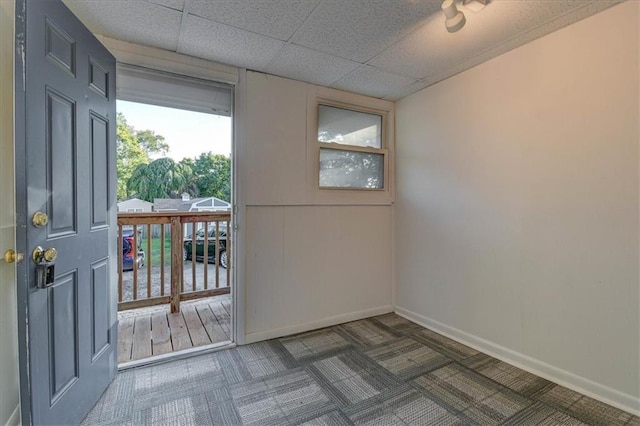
{"x":164,"y":61}
{"x":22,"y":282}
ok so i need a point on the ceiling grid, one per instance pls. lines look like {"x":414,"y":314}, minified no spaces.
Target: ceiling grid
{"x":381,"y":48}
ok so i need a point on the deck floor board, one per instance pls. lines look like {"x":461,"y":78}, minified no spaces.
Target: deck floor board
{"x":160,"y":334}
{"x":214,"y":329}
{"x":155,"y":331}
{"x":141,"y":338}
{"x":125,"y":338}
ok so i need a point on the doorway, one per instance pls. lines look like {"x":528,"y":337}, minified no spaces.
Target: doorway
{"x":174,"y":193}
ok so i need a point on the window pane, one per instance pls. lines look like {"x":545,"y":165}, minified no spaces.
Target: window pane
{"x":346,"y":127}
{"x":351,"y":169}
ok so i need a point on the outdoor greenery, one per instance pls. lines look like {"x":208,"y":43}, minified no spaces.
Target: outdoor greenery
{"x":211,"y":175}
{"x":133,"y":148}
{"x":141,"y":176}
{"x":161,"y":178}
{"x":156,"y":245}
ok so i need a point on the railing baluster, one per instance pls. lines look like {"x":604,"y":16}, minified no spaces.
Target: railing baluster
{"x":120,"y":263}
{"x":206,"y":254}
{"x":228,"y":252}
{"x":193,"y":255}
{"x":217,"y":254}
{"x":135,"y":262}
{"x":147,"y":260}
{"x":176,"y":263}
{"x":162,"y":241}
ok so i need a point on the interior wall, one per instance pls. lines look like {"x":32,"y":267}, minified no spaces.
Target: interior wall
{"x":9,"y":390}
{"x":309,"y":262}
{"x":517,"y":206}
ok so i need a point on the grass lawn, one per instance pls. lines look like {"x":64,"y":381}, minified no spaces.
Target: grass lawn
{"x":156,"y":245}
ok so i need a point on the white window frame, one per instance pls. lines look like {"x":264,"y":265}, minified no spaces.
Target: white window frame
{"x":349,"y":195}
{"x":383,"y":150}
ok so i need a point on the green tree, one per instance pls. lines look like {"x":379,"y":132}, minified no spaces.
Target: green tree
{"x":212,"y":175}
{"x":161,"y":178}
{"x":134,"y":148}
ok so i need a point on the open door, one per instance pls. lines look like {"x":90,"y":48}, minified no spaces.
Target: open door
{"x":65,"y":202}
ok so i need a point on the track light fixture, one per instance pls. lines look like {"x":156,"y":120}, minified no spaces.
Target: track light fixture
{"x":475,"y":5}
{"x":455,"y":19}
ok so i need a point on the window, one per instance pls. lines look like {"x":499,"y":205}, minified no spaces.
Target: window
{"x":352,"y":149}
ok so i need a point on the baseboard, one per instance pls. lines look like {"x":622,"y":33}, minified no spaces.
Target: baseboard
{"x":557,"y":375}
{"x":14,"y":418}
{"x":314,"y":325}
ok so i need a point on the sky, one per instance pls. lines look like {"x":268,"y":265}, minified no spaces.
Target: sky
{"x":188,"y":133}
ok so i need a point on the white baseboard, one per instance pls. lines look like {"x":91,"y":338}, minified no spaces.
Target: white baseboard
{"x":314,"y":325}
{"x":557,"y":375}
{"x":14,"y":418}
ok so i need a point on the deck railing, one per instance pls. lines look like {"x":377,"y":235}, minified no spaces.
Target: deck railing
{"x":167,"y":257}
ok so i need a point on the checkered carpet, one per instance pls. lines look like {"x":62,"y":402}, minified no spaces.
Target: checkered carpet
{"x":379,"y":371}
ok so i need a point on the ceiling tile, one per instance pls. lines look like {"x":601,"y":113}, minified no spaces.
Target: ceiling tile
{"x":274,"y":18}
{"x":499,"y":27}
{"x":360,"y":29}
{"x":218,"y":42}
{"x":133,"y":21}
{"x":407,"y":90}
{"x":371,"y":81}
{"x":172,"y":4}
{"x":300,"y":63}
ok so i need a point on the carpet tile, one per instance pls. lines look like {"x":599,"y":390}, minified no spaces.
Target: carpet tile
{"x":397,"y":323}
{"x":518,"y":380}
{"x":407,"y":358}
{"x":450,"y":348}
{"x":383,"y":371}
{"x":479,"y":398}
{"x":333,"y":418}
{"x":584,"y":408}
{"x":367,"y":333}
{"x":312,"y":344}
{"x":541,"y":414}
{"x":412,"y":407}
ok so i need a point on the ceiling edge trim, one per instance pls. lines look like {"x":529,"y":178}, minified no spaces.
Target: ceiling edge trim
{"x":172,"y":62}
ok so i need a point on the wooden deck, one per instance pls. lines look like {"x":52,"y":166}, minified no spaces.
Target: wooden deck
{"x":147,"y":332}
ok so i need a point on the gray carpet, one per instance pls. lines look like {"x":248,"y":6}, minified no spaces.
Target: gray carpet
{"x":379,"y":371}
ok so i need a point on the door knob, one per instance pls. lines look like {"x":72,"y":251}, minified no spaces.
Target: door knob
{"x":41,"y":255}
{"x":39,"y":219}
{"x":10,"y":256}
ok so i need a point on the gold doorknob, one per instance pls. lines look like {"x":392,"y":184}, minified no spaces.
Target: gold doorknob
{"x":39,"y":219}
{"x":10,"y":256}
{"x":39,"y":255}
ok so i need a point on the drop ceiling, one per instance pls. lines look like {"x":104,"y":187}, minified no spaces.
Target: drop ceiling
{"x":381,"y":48}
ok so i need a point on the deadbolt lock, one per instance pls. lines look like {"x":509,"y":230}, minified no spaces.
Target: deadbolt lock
{"x":41,"y":255}
{"x":45,"y":267}
{"x":40,"y":219}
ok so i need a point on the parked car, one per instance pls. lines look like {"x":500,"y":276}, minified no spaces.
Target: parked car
{"x":211,"y":246}
{"x":128,"y":250}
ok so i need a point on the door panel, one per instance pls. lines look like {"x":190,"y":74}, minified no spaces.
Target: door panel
{"x":99,"y":170}
{"x":60,"y":47}
{"x":65,"y":155}
{"x":63,"y":320}
{"x":60,"y":137}
{"x":99,"y":311}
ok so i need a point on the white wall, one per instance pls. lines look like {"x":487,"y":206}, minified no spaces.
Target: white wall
{"x":312,"y":258}
{"x":9,"y":391}
{"x":517,"y":206}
